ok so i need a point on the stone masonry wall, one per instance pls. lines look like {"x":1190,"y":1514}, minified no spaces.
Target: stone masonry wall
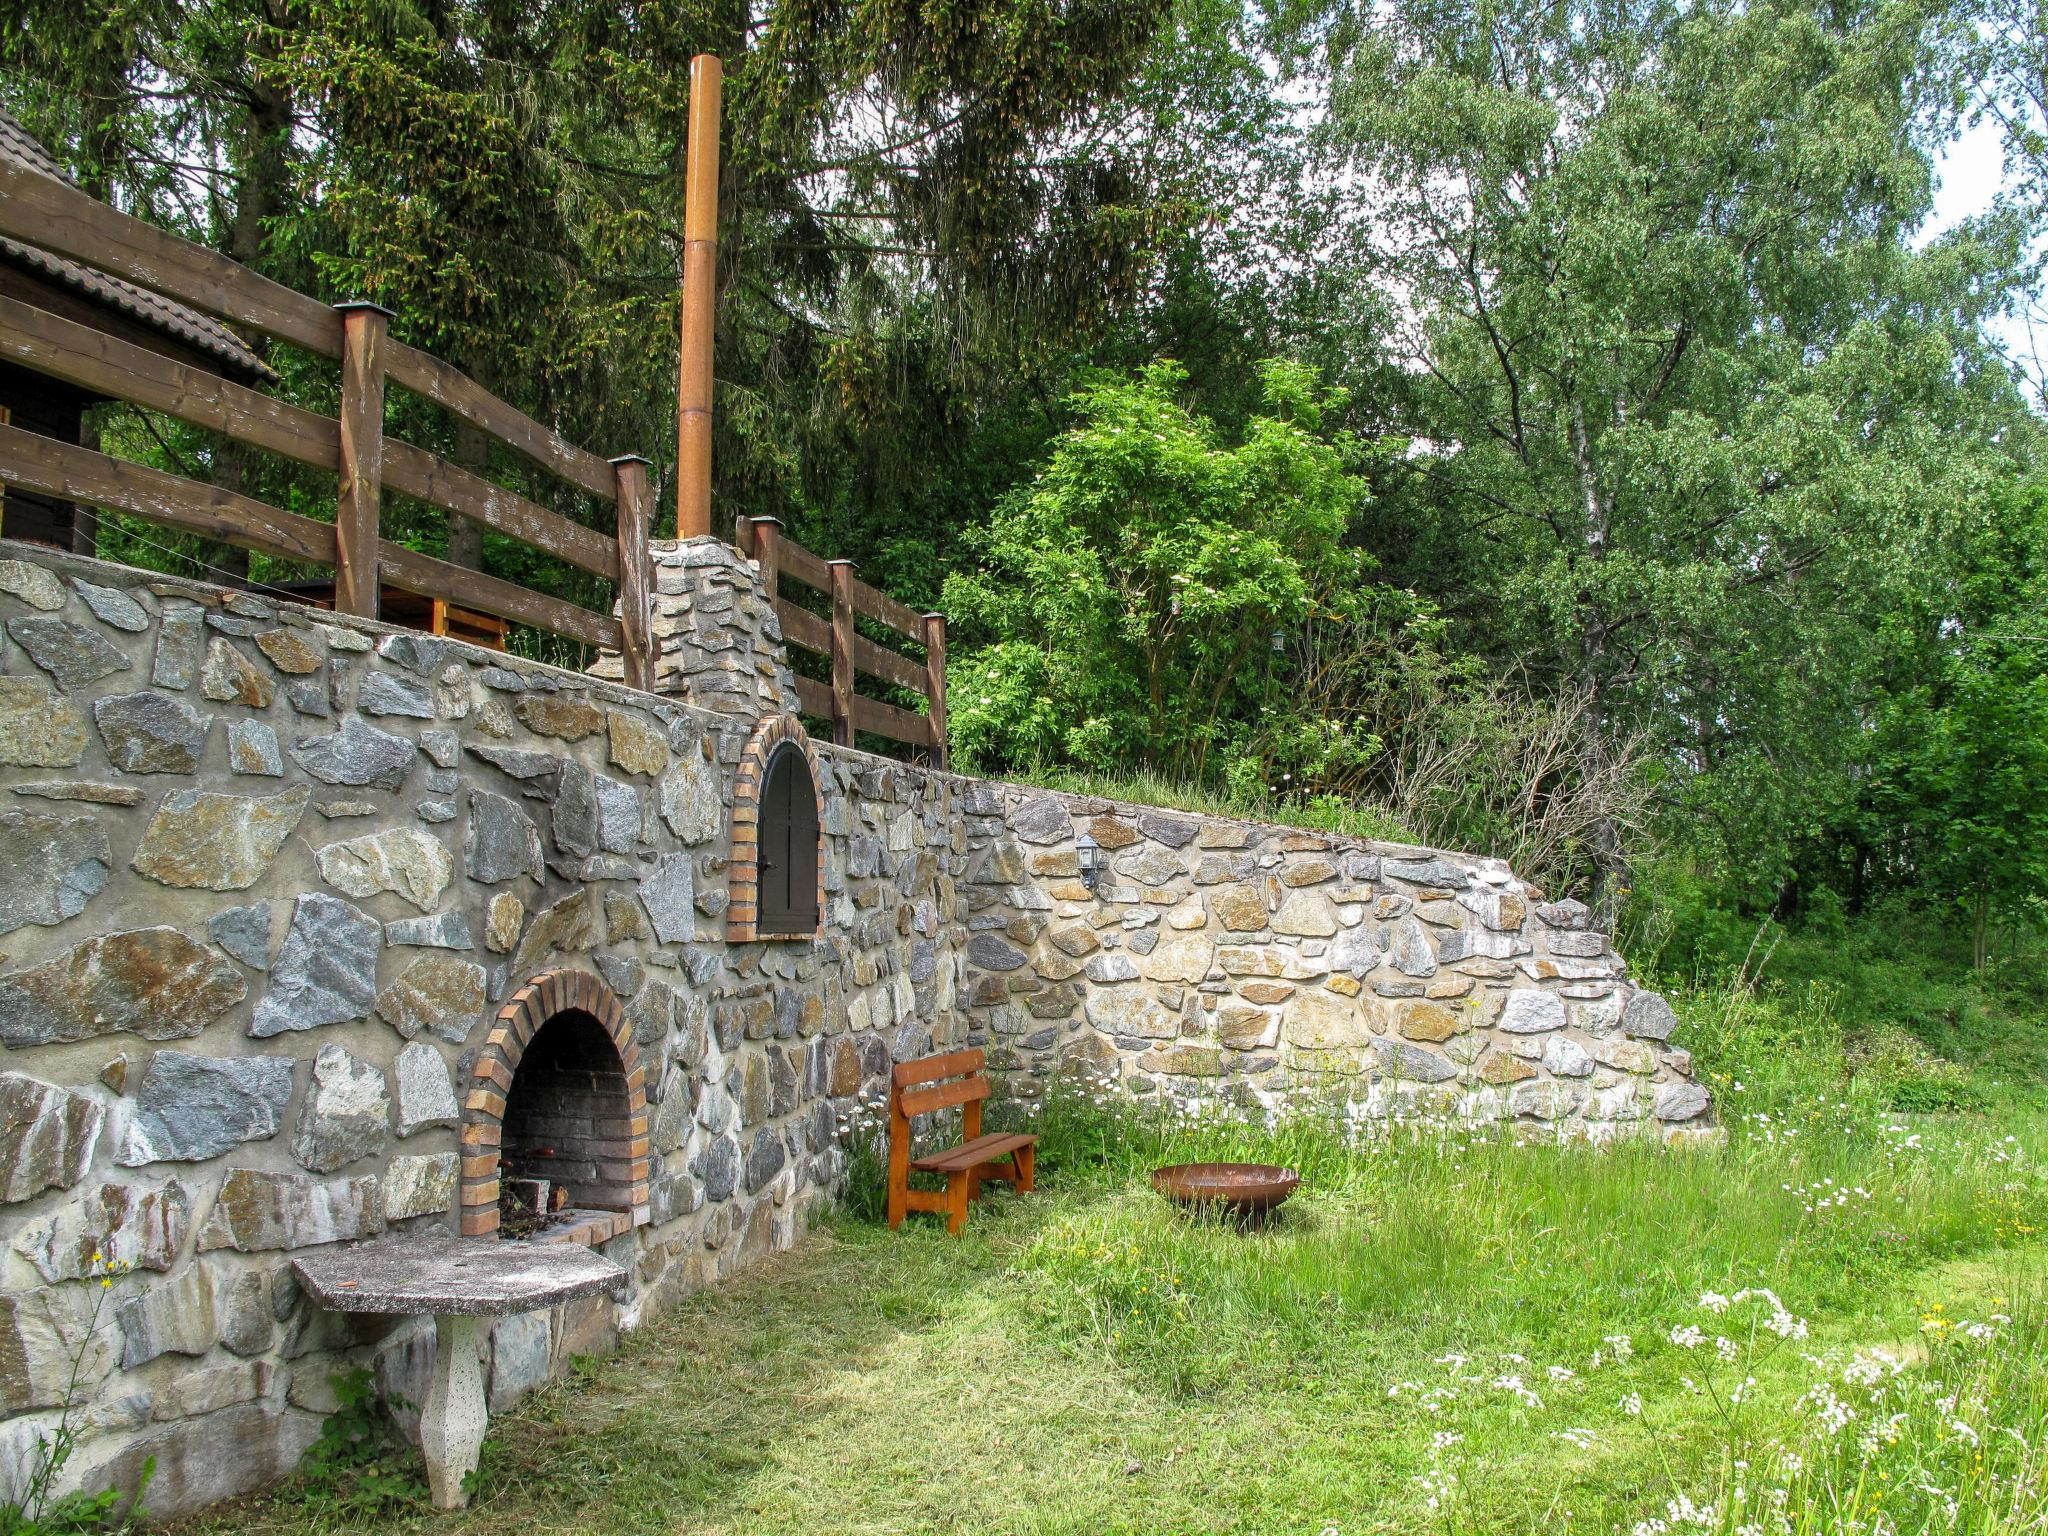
{"x":718,"y":642}
{"x":264,"y":876}
{"x":1269,"y":966}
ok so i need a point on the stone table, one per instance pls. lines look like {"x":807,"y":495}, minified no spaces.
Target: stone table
{"x":456,"y":1281}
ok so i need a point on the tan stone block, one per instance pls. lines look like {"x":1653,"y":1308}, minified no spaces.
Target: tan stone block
{"x":1179,"y":957}
{"x":1500,"y":1069}
{"x":1324,"y":1021}
{"x":1426,"y":1021}
{"x":561,"y":715}
{"x":1265,"y":991}
{"x":507,"y":914}
{"x":1074,"y":940}
{"x":1307,"y":915}
{"x":1183,"y":1060}
{"x":1308,"y":872}
{"x":1349,"y":986}
{"x":1625,"y":1055}
{"x":1109,"y":832}
{"x":1246,"y":1029}
{"x":1240,"y":908}
{"x":634,"y":745}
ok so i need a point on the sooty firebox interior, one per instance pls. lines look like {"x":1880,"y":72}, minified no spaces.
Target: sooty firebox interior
{"x":566,"y":1149}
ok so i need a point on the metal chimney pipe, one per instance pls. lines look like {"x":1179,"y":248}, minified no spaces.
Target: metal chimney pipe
{"x":700,"y":300}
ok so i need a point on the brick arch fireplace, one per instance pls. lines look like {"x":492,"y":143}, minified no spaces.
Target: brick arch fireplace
{"x":557,"y":1100}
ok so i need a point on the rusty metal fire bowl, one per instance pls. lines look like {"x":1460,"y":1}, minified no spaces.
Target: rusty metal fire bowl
{"x":1247,"y":1191}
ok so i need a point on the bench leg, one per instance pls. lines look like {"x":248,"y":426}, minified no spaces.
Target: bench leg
{"x":453,"y":1417}
{"x":959,"y":1189}
{"x":899,"y":1165}
{"x":1026,"y":1159}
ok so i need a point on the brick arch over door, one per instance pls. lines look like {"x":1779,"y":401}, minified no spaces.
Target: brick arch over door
{"x":743,"y":914}
{"x":546,"y":997}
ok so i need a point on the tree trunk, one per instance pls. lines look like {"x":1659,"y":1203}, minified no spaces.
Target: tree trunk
{"x":260,"y":158}
{"x":466,"y":536}
{"x":1980,"y":931}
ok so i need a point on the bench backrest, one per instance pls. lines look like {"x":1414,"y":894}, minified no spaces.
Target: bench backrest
{"x":967,"y":1085}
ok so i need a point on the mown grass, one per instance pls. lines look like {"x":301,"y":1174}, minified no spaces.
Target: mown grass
{"x":1426,"y":1342}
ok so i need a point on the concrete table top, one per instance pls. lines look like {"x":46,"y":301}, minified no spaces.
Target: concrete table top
{"x":439,"y":1275}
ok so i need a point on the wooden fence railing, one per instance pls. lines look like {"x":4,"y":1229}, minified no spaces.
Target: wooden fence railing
{"x":850,"y":652}
{"x":58,"y":217}
{"x":365,"y":461}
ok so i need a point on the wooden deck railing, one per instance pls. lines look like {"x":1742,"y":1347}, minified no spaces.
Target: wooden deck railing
{"x":365,"y":461}
{"x":850,"y":652}
{"x":353,"y":447}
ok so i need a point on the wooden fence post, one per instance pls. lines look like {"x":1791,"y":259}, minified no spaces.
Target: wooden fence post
{"x":842,"y":651}
{"x":364,"y":327}
{"x":767,"y":536}
{"x":935,"y":683}
{"x":636,"y":610}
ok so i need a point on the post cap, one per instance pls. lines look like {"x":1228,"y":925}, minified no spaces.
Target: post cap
{"x":370,"y":304}
{"x":628,"y":458}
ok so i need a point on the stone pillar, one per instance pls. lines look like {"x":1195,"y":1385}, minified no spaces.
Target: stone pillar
{"x":718,"y":643}
{"x":453,"y":1417}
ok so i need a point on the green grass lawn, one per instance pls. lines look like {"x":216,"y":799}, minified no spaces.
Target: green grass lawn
{"x":1428,"y":1341}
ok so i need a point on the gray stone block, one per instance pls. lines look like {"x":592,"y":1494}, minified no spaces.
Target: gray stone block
{"x":191,"y":1108}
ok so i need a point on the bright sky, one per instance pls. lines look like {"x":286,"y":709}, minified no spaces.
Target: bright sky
{"x":1971,"y":173}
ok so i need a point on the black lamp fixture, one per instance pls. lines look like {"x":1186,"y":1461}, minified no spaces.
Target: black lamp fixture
{"x":1088,"y":855}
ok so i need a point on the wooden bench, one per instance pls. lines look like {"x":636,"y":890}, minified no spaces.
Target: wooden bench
{"x":954,"y":1078}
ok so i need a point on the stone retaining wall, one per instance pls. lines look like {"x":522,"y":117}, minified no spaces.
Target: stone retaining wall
{"x":1270,"y":967}
{"x":266,"y":876}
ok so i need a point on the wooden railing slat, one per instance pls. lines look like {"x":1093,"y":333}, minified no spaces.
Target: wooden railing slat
{"x":799,"y":564}
{"x":872,"y":659}
{"x":60,"y":218}
{"x":803,"y":628}
{"x":107,"y":365}
{"x":58,"y":468}
{"x":880,"y":606}
{"x":880,"y":719}
{"x":430,"y":478}
{"x":448,"y":387}
{"x":55,"y":216}
{"x":814,"y":697}
{"x":473,"y":589}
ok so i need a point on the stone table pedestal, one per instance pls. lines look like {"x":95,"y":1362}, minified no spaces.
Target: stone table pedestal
{"x":457,"y":1282}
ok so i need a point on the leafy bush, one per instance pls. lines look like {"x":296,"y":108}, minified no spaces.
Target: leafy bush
{"x":361,"y":1464}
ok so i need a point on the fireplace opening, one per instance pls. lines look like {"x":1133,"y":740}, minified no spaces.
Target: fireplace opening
{"x":565,"y":1152}
{"x":555,"y":1122}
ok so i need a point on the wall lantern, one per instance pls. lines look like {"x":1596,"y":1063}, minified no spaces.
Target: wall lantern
{"x":1088,"y":854}
{"x":1278,"y":641}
